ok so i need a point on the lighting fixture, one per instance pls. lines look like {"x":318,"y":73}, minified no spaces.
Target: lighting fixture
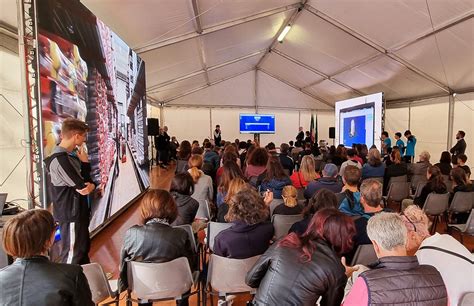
{"x":283,"y":33}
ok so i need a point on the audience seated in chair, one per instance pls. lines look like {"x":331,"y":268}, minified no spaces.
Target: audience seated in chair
{"x":396,"y":168}
{"x":155,"y":240}
{"x":274,"y":178}
{"x":184,"y":153}
{"x":230,"y":171}
{"x":421,"y":166}
{"x":33,"y":279}
{"x":441,"y":251}
{"x":444,"y":163}
{"x":351,"y":161}
{"x":374,"y":166}
{"x":350,"y":204}
{"x":203,"y":185}
{"x":306,"y":173}
{"x":299,"y":269}
{"x":182,"y":187}
{"x":235,"y":185}
{"x":256,"y":162}
{"x":462,"y":159}
{"x":396,"y":278}
{"x":251,"y":232}
{"x":285,"y":160}
{"x":328,"y":181}
{"x":320,"y":200}
{"x":290,"y":202}
{"x":435,"y":184}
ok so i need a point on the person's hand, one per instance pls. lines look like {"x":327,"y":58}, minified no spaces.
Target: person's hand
{"x":268,"y":198}
{"x":82,"y":154}
{"x":349,"y":269}
{"x":86,"y":190}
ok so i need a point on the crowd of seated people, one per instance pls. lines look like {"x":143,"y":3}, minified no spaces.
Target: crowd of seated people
{"x":337,"y":192}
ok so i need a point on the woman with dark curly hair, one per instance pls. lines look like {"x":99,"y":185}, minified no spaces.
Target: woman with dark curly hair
{"x":250,"y":233}
{"x":299,"y":269}
{"x":256,"y":162}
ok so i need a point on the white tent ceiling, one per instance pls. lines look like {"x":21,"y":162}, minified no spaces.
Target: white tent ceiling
{"x":224,"y":52}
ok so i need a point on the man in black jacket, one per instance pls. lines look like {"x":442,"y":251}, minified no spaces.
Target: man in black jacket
{"x":162,"y":143}
{"x":460,"y":146}
{"x":69,"y":169}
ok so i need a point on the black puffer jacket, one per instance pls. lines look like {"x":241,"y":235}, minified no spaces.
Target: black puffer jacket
{"x":153,"y":242}
{"x":283,"y":279}
{"x":187,"y":208}
{"x":37,"y":281}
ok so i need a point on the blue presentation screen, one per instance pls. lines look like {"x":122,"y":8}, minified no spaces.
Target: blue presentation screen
{"x":257,"y":124}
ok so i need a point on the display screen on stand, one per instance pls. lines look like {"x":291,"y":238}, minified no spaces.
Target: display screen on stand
{"x":89,"y":73}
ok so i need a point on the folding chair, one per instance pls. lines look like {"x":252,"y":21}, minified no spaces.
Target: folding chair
{"x":204,"y":211}
{"x":464,"y":229}
{"x":416,"y":179}
{"x":274,"y":204}
{"x":214,"y":228}
{"x":364,"y":255}
{"x":436,"y":205}
{"x":101,"y":288}
{"x":467,"y":299}
{"x":189,"y":230}
{"x":300,"y":194}
{"x":462,"y":202}
{"x":227,"y":276}
{"x":3,"y":258}
{"x":153,"y":282}
{"x":447,"y":181}
{"x":418,"y":190}
{"x":397,"y":192}
{"x":283,"y":223}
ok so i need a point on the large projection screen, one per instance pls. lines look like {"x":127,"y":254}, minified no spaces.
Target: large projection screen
{"x":87,"y":72}
{"x":359,"y":120}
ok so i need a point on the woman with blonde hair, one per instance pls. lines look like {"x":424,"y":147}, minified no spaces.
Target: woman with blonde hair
{"x":290,"y":202}
{"x":235,"y":185}
{"x":203,"y":188}
{"x":306,"y":174}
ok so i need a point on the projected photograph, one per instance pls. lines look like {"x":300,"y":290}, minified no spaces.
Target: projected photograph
{"x":87,"y":72}
{"x":354,"y":130}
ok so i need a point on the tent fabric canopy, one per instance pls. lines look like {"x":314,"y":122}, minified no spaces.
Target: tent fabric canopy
{"x":225,"y":52}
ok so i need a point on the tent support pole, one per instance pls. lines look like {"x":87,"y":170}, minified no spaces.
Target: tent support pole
{"x":255,"y":88}
{"x":450,"y":122}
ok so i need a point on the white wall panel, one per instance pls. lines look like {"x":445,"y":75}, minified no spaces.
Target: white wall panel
{"x":429,"y":123}
{"x":187,"y":123}
{"x":228,"y":119}
{"x":286,"y":125}
{"x":396,"y":120}
{"x":325,"y":120}
{"x":464,"y":120}
{"x":11,"y":129}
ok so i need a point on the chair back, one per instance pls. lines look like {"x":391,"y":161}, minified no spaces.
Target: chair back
{"x":416,"y":179}
{"x":462,"y":202}
{"x":400,"y":179}
{"x":447,"y":181}
{"x":467,"y":299}
{"x":154,"y":281}
{"x":214,"y":228}
{"x":3,"y":257}
{"x":189,"y":230}
{"x":419,"y":188}
{"x":204,"y":212}
{"x":181,"y":166}
{"x":98,"y":283}
{"x":398,"y":191}
{"x":283,"y":223}
{"x":470,"y":224}
{"x":300,"y":194}
{"x":274,"y":204}
{"x":436,"y":204}
{"x":364,"y":255}
{"x":227,"y":275}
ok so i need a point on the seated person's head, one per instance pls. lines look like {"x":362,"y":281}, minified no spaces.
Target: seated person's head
{"x":284,"y":148}
{"x":425,"y":156}
{"x":158,"y":204}
{"x":374,"y":158}
{"x":352,"y":176}
{"x":291,"y":142}
{"x":271,"y":147}
{"x":458,"y":176}
{"x":289,"y":194}
{"x":247,"y":206}
{"x":197,"y":150}
{"x":258,"y":157}
{"x":28,"y":234}
{"x":388,"y":234}
{"x":395,"y":156}
{"x":445,"y":158}
{"x":274,"y":169}
{"x":182,"y":183}
{"x":328,"y":224}
{"x":417,"y":224}
{"x":351,"y":153}
{"x":370,"y":194}
{"x":324,"y":198}
{"x":462,"y":159}
{"x":235,"y":185}
{"x":208,"y":145}
{"x":330,"y":170}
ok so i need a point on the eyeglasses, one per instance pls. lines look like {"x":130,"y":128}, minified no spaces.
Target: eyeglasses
{"x":411,"y":222}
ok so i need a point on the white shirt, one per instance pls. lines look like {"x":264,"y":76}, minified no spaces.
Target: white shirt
{"x":347,"y":163}
{"x":457,"y":273}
